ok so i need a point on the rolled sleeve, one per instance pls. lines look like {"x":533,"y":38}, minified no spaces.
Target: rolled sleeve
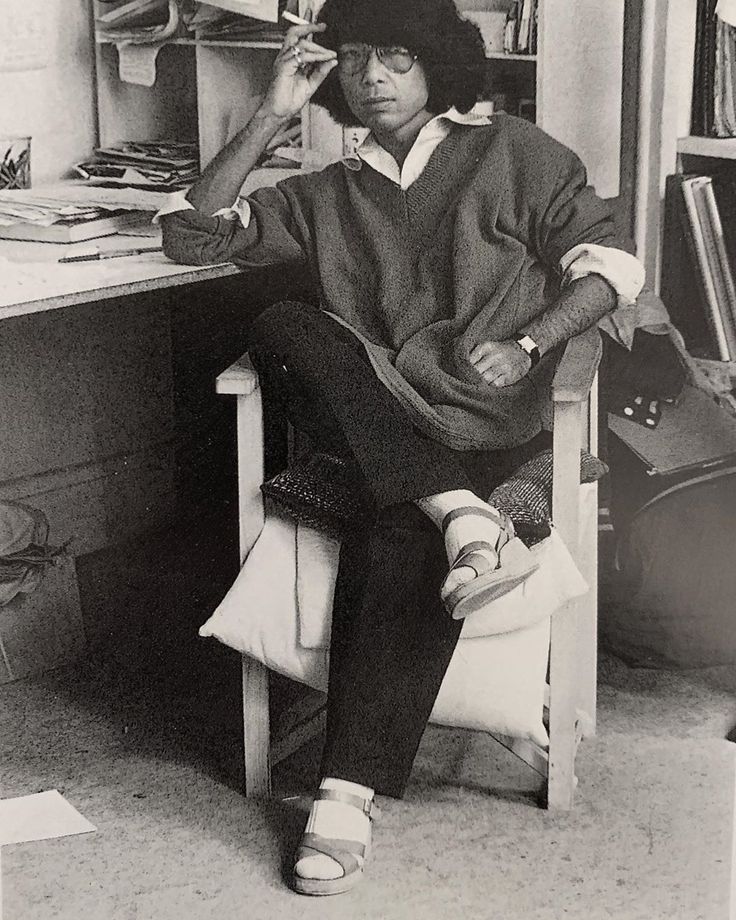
{"x":622,"y":270}
{"x":177,"y":202}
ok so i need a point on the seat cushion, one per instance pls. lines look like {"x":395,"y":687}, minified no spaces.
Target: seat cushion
{"x":493,"y":684}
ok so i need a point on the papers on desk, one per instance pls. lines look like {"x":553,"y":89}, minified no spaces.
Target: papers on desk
{"x":29,"y":215}
{"x":150,"y":165}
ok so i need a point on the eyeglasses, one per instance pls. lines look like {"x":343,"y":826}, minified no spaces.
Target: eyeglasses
{"x":353,"y":59}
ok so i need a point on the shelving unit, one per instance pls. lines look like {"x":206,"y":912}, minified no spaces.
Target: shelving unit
{"x":206,"y":89}
{"x":721,"y":148}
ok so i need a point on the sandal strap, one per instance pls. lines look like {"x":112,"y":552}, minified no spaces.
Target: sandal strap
{"x":474,"y":551}
{"x":477,"y":510}
{"x":344,"y":852}
{"x":367,"y":806}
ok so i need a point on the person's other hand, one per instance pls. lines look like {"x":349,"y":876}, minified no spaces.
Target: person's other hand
{"x":500,"y":363}
{"x":299,"y":68}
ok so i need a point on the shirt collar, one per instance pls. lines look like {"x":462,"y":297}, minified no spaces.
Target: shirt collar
{"x":436,"y":129}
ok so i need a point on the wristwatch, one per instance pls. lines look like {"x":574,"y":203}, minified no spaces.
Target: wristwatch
{"x":526,"y":343}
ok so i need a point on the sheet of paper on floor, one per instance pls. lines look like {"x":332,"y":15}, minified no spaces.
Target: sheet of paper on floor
{"x":40,"y":816}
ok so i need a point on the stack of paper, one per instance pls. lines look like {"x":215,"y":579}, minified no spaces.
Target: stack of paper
{"x":236,"y":20}
{"x":267,"y":10}
{"x":161,"y":165}
{"x":138,"y":21}
{"x":285,"y":148}
{"x":27,"y":215}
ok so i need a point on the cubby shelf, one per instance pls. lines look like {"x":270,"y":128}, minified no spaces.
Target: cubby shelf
{"x":723,"y":148}
{"x":275,"y":45}
{"x":204,"y":89}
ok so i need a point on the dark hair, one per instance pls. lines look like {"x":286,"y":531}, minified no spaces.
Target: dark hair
{"x":449,"y":48}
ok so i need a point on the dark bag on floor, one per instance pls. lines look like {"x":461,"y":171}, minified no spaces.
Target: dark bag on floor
{"x":672,"y":598}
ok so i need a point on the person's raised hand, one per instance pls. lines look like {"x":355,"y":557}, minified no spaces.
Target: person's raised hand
{"x":500,"y":364}
{"x":300,"y":67}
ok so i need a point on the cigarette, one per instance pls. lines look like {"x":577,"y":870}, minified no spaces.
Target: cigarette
{"x":297,"y":20}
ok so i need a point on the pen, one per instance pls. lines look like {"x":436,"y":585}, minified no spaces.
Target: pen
{"x":111,"y":254}
{"x":297,"y":20}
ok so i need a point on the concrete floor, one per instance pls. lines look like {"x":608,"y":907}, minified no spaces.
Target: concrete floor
{"x":143,"y":738}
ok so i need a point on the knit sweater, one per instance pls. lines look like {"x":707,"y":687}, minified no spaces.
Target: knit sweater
{"x":469,"y":252}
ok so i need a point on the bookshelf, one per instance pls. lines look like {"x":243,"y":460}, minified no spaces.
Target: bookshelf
{"x":206,"y":89}
{"x":690,"y":258}
{"x":721,"y":148}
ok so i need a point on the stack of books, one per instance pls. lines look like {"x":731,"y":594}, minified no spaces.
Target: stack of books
{"x":158,"y":165}
{"x":28,"y":215}
{"x":699,"y":258}
{"x":522,"y":27}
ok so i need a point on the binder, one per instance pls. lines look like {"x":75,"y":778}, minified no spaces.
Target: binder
{"x":705,"y":260}
{"x":681,"y":290}
{"x":693,"y":434}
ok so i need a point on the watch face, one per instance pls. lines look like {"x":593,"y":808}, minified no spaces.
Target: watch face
{"x":527,"y":343}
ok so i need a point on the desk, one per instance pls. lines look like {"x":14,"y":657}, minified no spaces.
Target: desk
{"x":88,"y":384}
{"x":60,"y":285}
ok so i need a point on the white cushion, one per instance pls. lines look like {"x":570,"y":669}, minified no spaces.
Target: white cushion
{"x":493,"y":684}
{"x":556,"y":581}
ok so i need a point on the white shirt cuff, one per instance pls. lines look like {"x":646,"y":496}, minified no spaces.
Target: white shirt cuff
{"x":177,"y":201}
{"x":624,"y":272}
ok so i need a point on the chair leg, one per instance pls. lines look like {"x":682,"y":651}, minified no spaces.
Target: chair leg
{"x":561,"y":769}
{"x":256,"y":728}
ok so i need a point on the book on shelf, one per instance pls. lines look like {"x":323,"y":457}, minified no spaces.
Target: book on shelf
{"x":702,"y":112}
{"x":698,"y":285}
{"x":75,"y":230}
{"x":707,"y":254}
{"x":520,"y":36}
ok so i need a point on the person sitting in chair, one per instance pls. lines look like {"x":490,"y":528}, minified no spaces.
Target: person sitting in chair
{"x":454,"y":256}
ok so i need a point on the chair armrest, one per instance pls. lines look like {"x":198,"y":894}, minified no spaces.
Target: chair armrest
{"x":577,"y":368}
{"x":240,"y":379}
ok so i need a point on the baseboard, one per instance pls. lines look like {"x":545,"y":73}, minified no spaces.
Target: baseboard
{"x":105,"y":501}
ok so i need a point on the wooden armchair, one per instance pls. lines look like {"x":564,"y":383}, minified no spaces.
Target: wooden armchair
{"x":571,"y":701}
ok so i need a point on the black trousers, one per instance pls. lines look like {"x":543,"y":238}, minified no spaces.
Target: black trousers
{"x":392,"y":639}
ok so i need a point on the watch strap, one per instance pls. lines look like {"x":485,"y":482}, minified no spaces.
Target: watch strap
{"x":528,"y":345}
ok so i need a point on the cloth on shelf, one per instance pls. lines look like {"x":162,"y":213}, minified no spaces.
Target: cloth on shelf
{"x":24,"y":550}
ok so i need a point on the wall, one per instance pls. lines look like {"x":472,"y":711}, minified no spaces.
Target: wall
{"x":54,"y":104}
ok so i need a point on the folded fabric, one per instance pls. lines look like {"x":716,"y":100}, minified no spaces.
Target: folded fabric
{"x":24,"y":550}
